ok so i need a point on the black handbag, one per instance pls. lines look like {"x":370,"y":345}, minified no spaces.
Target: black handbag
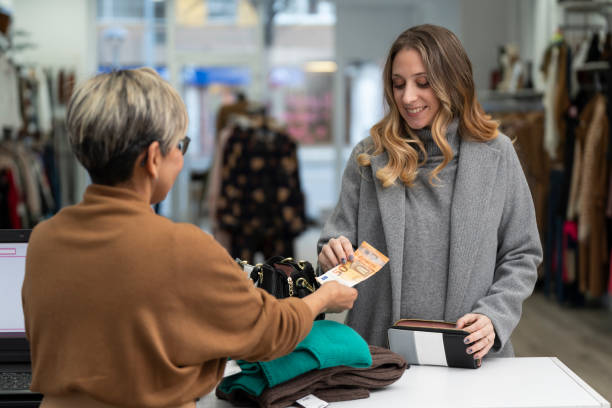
{"x":284,"y":277}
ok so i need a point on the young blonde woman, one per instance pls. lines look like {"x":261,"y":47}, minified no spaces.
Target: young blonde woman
{"x":438,"y":189}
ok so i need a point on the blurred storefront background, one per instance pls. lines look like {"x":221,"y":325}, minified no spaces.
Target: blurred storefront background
{"x":314,"y":64}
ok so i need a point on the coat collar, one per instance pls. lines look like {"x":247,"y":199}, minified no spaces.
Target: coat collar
{"x":475,"y":179}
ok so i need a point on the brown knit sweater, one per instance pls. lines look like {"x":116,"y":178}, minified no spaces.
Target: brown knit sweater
{"x":135,"y":310}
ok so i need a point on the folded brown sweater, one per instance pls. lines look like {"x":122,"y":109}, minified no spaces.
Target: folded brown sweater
{"x":331,"y":384}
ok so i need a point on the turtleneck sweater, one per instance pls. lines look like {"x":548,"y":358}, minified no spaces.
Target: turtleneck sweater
{"x":427,"y":235}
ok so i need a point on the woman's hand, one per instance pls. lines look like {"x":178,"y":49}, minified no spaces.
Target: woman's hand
{"x":482,"y":333}
{"x":332,"y":297}
{"x":336,"y":251}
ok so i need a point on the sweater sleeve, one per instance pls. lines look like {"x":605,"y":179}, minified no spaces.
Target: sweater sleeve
{"x":222,"y":314}
{"x":343,"y":220}
{"x":519,"y":253}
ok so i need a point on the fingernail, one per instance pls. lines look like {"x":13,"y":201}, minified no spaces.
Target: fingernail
{"x":343,"y":260}
{"x":351,"y":257}
{"x":469,"y":351}
{"x":466,"y":340}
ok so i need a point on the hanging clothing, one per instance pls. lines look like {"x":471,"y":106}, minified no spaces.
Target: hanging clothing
{"x":261,"y":203}
{"x":33,"y":143}
{"x":65,"y":86}
{"x":9,"y":201}
{"x":5,"y":22}
{"x":570,"y":243}
{"x":554,"y":233}
{"x":34,"y":196}
{"x":226,"y":112}
{"x":610,"y":276}
{"x":592,"y":234}
{"x":214,"y":187}
{"x":214,"y":181}
{"x":43,"y":102}
{"x":574,"y":198}
{"x":556,"y":97}
{"x":526,"y":129}
{"x":594,"y":54}
{"x":10,"y":116}
{"x":578,"y":60}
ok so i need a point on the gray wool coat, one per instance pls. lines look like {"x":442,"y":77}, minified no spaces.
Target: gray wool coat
{"x":494,"y":243}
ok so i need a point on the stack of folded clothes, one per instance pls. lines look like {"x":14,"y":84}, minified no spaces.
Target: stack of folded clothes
{"x":333,"y":362}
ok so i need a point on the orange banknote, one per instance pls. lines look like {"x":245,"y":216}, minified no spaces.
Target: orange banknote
{"x":366,"y":262}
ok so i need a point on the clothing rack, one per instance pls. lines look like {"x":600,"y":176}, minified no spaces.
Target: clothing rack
{"x":577,"y":249}
{"x":37,"y":168}
{"x":582,"y":27}
{"x":600,"y":7}
{"x":594,"y":66}
{"x":522,"y":100}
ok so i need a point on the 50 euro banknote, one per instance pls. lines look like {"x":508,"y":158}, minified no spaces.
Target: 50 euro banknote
{"x":366,"y":262}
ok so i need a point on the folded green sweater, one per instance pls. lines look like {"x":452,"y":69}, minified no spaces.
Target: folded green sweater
{"x":329,"y":344}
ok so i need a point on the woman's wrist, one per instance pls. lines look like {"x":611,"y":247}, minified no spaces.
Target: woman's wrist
{"x":317,"y":302}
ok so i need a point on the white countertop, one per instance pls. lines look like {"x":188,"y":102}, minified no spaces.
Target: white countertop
{"x":501,"y":382}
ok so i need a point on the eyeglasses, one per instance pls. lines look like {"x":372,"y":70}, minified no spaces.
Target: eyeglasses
{"x":183,"y":144}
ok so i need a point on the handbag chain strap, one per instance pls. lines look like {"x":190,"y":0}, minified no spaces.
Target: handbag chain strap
{"x":258,"y":268}
{"x":290,"y":282}
{"x":304,"y":283}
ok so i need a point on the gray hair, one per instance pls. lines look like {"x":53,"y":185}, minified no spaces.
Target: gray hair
{"x":112,"y":118}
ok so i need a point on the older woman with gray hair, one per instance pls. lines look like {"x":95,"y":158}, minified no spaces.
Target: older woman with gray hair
{"x":126,"y":308}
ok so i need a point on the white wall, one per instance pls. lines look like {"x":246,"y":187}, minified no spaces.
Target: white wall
{"x":366,"y":29}
{"x":63,"y":31}
{"x":485,"y":25}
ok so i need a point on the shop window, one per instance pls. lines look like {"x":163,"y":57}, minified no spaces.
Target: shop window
{"x":222,"y":10}
{"x":307,"y":12}
{"x":205,"y":90}
{"x":302,"y":100}
{"x":110,"y":9}
{"x":216,"y":26}
{"x":131,"y":32}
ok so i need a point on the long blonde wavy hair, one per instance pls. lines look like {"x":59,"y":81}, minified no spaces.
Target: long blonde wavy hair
{"x":449,"y":73}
